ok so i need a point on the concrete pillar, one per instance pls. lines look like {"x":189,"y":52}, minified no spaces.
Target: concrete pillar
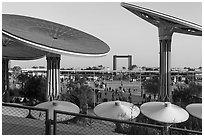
{"x":165,"y":35}
{"x":114,"y":62}
{"x":53,"y":76}
{"x":129,"y":61}
{"x":5,"y":79}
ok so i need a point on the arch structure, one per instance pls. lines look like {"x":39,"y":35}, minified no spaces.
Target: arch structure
{"x":129,"y":57}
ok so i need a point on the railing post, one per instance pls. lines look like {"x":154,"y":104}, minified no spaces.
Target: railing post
{"x":163,"y":128}
{"x":54,"y":123}
{"x":170,"y":131}
{"x":48,"y":123}
{"x":48,"y":127}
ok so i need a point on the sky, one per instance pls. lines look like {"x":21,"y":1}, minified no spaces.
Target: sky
{"x":124,"y":32}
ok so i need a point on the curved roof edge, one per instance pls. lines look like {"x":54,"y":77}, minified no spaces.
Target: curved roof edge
{"x":187,"y":25}
{"x":52,"y":50}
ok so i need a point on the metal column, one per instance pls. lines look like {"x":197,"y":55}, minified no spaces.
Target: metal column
{"x":129,"y":61}
{"x":53,"y":76}
{"x":114,"y":62}
{"x":5,"y":78}
{"x":165,"y":35}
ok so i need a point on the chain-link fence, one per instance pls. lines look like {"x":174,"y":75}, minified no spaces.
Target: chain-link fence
{"x":79,"y":124}
{"x":22,"y":120}
{"x":179,"y":131}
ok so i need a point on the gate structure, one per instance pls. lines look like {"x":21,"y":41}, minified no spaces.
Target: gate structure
{"x":121,"y":56}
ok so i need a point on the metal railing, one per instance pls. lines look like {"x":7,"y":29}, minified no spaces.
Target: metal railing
{"x":80,"y":124}
{"x":26,"y":120}
{"x":180,"y":131}
{"x":18,"y":120}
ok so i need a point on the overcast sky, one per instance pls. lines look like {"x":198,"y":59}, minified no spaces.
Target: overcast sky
{"x":125,"y":33}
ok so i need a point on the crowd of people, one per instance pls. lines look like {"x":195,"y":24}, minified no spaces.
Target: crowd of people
{"x":121,"y":92}
{"x":104,"y":91}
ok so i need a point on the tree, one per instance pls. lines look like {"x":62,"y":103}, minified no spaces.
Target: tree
{"x":124,"y":68}
{"x":89,"y":68}
{"x":132,"y":67}
{"x":100,"y":67}
{"x":151,"y":86}
{"x":195,"y":89}
{"x":22,"y":78}
{"x":184,"y":95}
{"x":34,"y":67}
{"x":78,"y":93}
{"x":41,"y":67}
{"x":35,"y":88}
{"x":16,"y":71}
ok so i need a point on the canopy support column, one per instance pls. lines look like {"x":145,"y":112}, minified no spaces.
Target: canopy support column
{"x":53,"y":76}
{"x":5,"y":79}
{"x":165,"y":35}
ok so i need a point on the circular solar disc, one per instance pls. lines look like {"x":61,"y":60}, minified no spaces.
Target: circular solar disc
{"x":55,"y":105}
{"x":195,"y":109}
{"x":117,"y":110}
{"x":164,"y":112}
{"x":52,"y":37}
{"x":14,"y":49}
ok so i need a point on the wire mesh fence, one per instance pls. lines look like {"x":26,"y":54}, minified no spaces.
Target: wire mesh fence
{"x":24,"y":120}
{"x":179,"y":131}
{"x":80,"y":124}
{"x":21,"y":120}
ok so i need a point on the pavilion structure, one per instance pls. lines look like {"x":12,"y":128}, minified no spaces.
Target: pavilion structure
{"x":167,"y":25}
{"x":13,"y":49}
{"x":26,"y":38}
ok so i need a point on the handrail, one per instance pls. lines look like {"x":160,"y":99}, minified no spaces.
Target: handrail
{"x":48,"y":128}
{"x":185,"y":130}
{"x":160,"y":127}
{"x":109,"y":119}
{"x":25,"y":107}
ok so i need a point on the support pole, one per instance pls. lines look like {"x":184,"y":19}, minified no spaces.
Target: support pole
{"x":5,"y":79}
{"x":129,"y":61}
{"x":114,"y":62}
{"x":165,"y":35}
{"x":53,"y":76}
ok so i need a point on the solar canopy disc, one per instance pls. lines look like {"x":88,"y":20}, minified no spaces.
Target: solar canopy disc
{"x":117,"y":110}
{"x":52,"y":37}
{"x":157,"y":18}
{"x":56,"y":105}
{"x":195,"y":109}
{"x":14,"y":49}
{"x":164,"y":112}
